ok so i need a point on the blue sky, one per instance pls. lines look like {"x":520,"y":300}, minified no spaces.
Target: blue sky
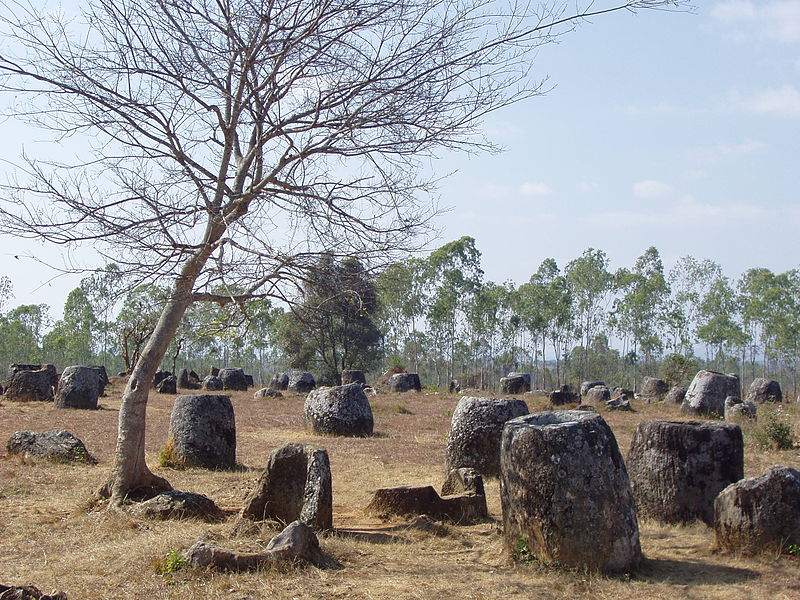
{"x":674,"y":130}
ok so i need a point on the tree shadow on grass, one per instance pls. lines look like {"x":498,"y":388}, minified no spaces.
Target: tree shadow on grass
{"x":658,"y":570}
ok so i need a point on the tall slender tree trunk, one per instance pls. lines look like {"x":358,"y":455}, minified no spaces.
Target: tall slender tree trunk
{"x":130,"y":476}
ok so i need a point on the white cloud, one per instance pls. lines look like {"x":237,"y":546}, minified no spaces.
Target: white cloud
{"x":776,"y":19}
{"x":651,"y":189}
{"x":493,"y":192}
{"x":685,"y":213}
{"x":535,"y":189}
{"x":780,"y":102}
{"x":586,"y":187}
{"x":662,"y":108}
{"x":713,"y":154}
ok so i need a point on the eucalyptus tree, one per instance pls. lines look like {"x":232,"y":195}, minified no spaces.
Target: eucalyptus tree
{"x":71,"y":339}
{"x":401,"y":305}
{"x":590,"y":284}
{"x":640,"y":306}
{"x":548,"y":303}
{"x":493,"y":327}
{"x":136,"y":321}
{"x":233,"y":141}
{"x":454,"y":276}
{"x":21,"y":333}
{"x":6,"y":291}
{"x":689,"y":280}
{"x":770,"y":312}
{"x":103,"y":289}
{"x":720,"y":327}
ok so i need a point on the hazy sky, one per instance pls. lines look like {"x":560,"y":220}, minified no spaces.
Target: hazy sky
{"x":679,"y":131}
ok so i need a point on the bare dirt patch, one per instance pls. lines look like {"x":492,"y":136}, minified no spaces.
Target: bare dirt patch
{"x":52,"y":539}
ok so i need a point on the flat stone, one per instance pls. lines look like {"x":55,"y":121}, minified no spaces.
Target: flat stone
{"x":58,"y":444}
{"x":407,"y":501}
{"x":174,"y":504}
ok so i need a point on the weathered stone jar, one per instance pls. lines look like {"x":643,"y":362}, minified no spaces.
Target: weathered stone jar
{"x":341,"y":410}
{"x":202,"y":431}
{"x":296,"y":485}
{"x":565,"y":492}
{"x":475,"y":430}
{"x":677,"y":468}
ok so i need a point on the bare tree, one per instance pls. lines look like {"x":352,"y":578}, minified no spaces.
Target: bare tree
{"x":232,"y":141}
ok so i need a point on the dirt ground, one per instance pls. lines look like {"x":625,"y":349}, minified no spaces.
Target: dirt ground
{"x":51,"y":537}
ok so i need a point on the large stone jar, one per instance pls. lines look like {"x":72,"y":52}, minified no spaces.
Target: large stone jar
{"x":565,"y":492}
{"x":475,"y":430}
{"x":677,"y":468}
{"x":202,"y":431}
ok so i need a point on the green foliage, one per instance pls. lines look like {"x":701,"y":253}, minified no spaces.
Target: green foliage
{"x":168,"y":458}
{"x":590,"y":284}
{"x":677,"y":369}
{"x":773,"y":430}
{"x":793,"y":549}
{"x":170,"y":564}
{"x":522,"y":553}
{"x":331,"y":327}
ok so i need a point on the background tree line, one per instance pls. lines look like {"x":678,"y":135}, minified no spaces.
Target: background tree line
{"x":437,"y":315}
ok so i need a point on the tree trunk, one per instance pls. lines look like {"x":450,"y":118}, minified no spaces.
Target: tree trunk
{"x":130,"y":476}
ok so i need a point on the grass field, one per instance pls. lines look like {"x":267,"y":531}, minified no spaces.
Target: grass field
{"x":51,"y":537}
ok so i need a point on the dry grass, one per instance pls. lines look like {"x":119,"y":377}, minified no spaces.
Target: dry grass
{"x":52,"y":539}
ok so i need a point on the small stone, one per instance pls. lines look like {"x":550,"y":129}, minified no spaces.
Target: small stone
{"x":59,"y":445}
{"x":619,"y":403}
{"x":267,"y":393}
{"x":295,"y":543}
{"x":737,"y":411}
{"x":174,"y":504}
{"x":462,"y":481}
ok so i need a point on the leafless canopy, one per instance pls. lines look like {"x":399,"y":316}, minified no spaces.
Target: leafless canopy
{"x":260,"y":131}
